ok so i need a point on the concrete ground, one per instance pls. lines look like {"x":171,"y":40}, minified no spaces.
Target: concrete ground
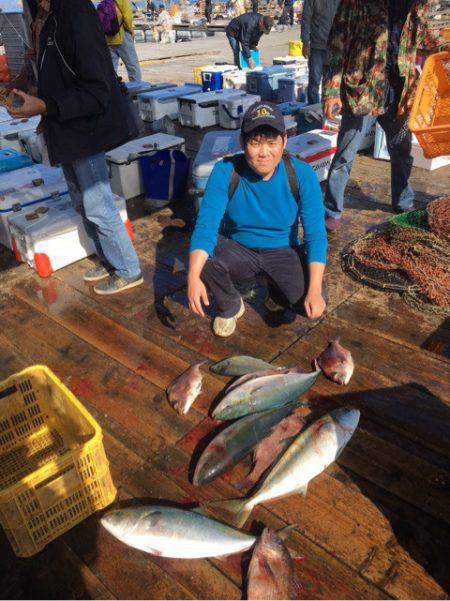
{"x":175,"y":62}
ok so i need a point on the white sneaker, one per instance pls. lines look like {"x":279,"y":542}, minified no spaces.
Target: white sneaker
{"x":225,"y":326}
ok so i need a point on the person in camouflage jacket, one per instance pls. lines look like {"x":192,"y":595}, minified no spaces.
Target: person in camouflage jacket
{"x":366,"y":79}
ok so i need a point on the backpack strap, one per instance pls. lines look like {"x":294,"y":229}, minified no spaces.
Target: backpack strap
{"x":292,"y":176}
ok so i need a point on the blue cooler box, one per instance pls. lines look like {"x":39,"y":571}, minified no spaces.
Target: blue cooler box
{"x":291,"y":108}
{"x":212,"y":77}
{"x":265,"y":82}
{"x":292,"y":89}
{"x":164,"y":175}
{"x":11,"y":159}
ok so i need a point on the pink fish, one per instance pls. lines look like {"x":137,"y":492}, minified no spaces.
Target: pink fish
{"x":336,"y":362}
{"x":271,"y":447}
{"x":264,"y":372}
{"x":272,"y":572}
{"x":183,"y":391}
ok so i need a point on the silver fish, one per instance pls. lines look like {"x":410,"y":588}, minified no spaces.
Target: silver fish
{"x":336,"y":362}
{"x":173,"y":532}
{"x":264,"y":372}
{"x":239,"y":366}
{"x":272,"y":572}
{"x":264,"y":393}
{"x":183,"y":391}
{"x":310,"y":453}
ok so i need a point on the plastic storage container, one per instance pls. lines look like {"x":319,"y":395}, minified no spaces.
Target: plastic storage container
{"x":292,"y":89}
{"x":291,"y":108}
{"x":139,"y":87}
{"x":124,"y":170}
{"x":212,"y":77}
{"x":53,"y":470}
{"x":198,"y":73}
{"x":236,"y":80}
{"x":232,"y":110}
{"x":155,"y":105}
{"x":290,"y":60}
{"x":9,"y":131}
{"x":264,"y":83}
{"x":214,"y":146}
{"x":202,"y":110}
{"x":165,"y":176}
{"x":420,"y":160}
{"x":11,"y":159}
{"x":25,"y":187}
{"x":317,"y":148}
{"x":429,"y":119}
{"x":49,"y":237}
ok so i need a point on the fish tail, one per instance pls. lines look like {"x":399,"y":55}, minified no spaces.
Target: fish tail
{"x":240,"y":509}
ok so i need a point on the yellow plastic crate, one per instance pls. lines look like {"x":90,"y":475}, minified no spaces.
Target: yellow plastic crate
{"x":430,"y":115}
{"x":53,"y":468}
{"x":295,"y":48}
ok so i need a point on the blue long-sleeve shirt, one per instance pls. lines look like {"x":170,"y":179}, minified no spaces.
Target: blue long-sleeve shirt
{"x":262,"y":214}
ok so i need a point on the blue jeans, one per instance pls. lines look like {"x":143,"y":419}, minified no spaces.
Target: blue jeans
{"x":88,"y":184}
{"x":315,"y":69}
{"x":127,"y":52}
{"x":398,"y":138}
{"x":234,"y":43}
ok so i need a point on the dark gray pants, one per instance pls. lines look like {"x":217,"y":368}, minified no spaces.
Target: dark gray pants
{"x":285,"y":269}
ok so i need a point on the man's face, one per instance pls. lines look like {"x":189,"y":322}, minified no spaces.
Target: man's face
{"x":264,"y":152}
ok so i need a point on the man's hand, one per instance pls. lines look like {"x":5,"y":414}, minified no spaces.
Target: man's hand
{"x":314,"y":304}
{"x":305,"y":50}
{"x":31,"y":106}
{"x":251,"y":63}
{"x":332,"y":107}
{"x":196,"y":293}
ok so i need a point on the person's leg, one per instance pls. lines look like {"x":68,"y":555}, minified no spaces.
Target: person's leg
{"x":315,"y":69}
{"x":101,"y":210}
{"x":127,"y":52}
{"x":76,"y":195}
{"x":398,"y":141}
{"x":351,"y":133}
{"x":114,"y":56}
{"x":231,"y":263}
{"x":235,"y":48}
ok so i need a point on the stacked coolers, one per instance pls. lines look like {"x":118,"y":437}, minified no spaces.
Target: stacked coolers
{"x":265,"y":82}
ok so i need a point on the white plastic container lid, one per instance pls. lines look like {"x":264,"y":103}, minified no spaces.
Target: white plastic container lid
{"x":142,"y":146}
{"x":30,"y":184}
{"x":170,"y":93}
{"x":214,"y":146}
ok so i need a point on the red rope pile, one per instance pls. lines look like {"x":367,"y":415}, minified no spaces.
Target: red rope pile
{"x":438,"y":213}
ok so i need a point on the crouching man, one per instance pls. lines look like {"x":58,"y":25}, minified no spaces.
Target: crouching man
{"x":256,"y":200}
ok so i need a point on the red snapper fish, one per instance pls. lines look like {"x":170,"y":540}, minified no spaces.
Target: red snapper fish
{"x":183,"y":391}
{"x":272,"y":572}
{"x":336,"y":362}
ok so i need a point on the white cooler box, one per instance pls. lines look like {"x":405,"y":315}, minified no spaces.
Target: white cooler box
{"x":421,"y":161}
{"x":235,"y":80}
{"x":214,"y":146}
{"x":232,"y":110}
{"x":49,"y":237}
{"x":202,"y":110}
{"x":24,"y":187}
{"x":290,"y":60}
{"x":4,"y":115}
{"x":158,"y":104}
{"x":316,"y":147}
{"x":139,"y":87}
{"x":9,"y":131}
{"x":123,"y":163}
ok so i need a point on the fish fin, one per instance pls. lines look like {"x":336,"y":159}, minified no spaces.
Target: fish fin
{"x":316,"y":366}
{"x":283,"y":533}
{"x":200,"y":510}
{"x":239,"y":508}
{"x":303,"y":490}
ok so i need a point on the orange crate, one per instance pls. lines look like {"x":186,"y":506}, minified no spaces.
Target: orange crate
{"x":53,"y":468}
{"x":430,"y":114}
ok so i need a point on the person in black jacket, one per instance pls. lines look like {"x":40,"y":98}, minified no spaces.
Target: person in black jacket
{"x":83,"y":114}
{"x":245,"y":32}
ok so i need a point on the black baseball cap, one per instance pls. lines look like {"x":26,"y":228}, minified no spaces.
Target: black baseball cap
{"x":263,"y":113}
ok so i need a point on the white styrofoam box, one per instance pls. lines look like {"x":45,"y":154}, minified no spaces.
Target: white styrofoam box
{"x":30,"y":145}
{"x":49,"y":237}
{"x":25,"y":187}
{"x":214,"y":146}
{"x":155,"y":105}
{"x":232,"y":110}
{"x":419,"y":160}
{"x":316,"y":147}
{"x":124,"y":170}
{"x":380,"y":150}
{"x":202,"y":110}
{"x":236,"y":80}
{"x":9,"y":131}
